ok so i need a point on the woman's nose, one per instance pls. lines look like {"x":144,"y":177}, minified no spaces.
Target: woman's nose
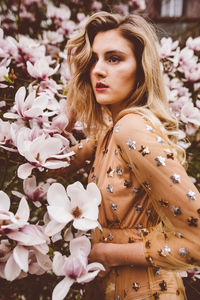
{"x":99,"y":69}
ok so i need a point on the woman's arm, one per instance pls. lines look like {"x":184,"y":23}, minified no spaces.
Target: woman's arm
{"x":112,"y":255}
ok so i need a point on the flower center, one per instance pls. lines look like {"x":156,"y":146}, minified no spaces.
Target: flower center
{"x":38,"y":158}
{"x":76,"y":212}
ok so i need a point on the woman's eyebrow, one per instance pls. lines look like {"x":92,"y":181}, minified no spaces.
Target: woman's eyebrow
{"x":111,"y":52}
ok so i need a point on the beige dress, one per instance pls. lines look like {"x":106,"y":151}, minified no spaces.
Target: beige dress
{"x":146,"y":196}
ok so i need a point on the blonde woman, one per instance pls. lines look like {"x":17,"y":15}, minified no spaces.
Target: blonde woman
{"x":150,"y":208}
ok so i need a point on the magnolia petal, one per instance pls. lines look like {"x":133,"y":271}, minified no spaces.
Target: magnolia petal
{"x":43,"y":260}
{"x":29,"y":235}
{"x":41,"y":101}
{"x":81,"y":244}
{"x":59,"y":214}
{"x":31,"y":69}
{"x":20,"y":255}
{"x":61,"y":289}
{"x":90,"y":210}
{"x":95,"y":266}
{"x":87,"y":277}
{"x":94,"y":192}
{"x":57,"y":196}
{"x":55,"y":164}
{"x":85,"y":224}
{"x":76,"y":184}
{"x":12,"y":270}
{"x":24,"y":170}
{"x":54,"y":227}
{"x":19,"y":99}
{"x":50,"y":146}
{"x":11,"y":116}
{"x":33,"y":112}
{"x":4,"y":201}
{"x":58,"y":263}
{"x":23,"y":211}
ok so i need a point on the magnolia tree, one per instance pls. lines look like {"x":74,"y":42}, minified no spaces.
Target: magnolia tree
{"x":45,"y":225}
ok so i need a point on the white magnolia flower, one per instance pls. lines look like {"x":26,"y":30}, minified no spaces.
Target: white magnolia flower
{"x":43,"y":151}
{"x":29,"y":107}
{"x":75,"y":268}
{"x":77,"y":205}
{"x":41,"y":69}
{"x":30,"y":252}
{"x":8,"y":220}
{"x":33,"y":192}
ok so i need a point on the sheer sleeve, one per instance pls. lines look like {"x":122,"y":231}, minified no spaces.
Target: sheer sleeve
{"x":174,"y":243}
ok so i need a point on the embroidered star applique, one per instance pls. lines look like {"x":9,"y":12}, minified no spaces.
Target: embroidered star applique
{"x":131,"y":144}
{"x":119,"y":171}
{"x":149,"y":128}
{"x":176,"y":211}
{"x":159,"y":139}
{"x":109,"y":188}
{"x":110,"y":172}
{"x":136,"y":286}
{"x":116,"y":128}
{"x":164,"y":251}
{"x":191,"y":195}
{"x":113,"y":206}
{"x":176,"y":178}
{"x":160,"y":161}
{"x":183,"y":252}
{"x":144,"y":150}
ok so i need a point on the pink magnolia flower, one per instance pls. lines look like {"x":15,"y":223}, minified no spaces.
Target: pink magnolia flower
{"x":52,"y":37}
{"x":140,"y":4}
{"x":8,"y":220}
{"x":190,"y":115}
{"x":64,"y":72}
{"x":6,"y":47}
{"x":193,"y":44}
{"x":27,"y":49}
{"x":29,"y":107}
{"x":38,"y":2}
{"x":186,"y":58}
{"x":77,"y":205}
{"x":68,"y":27}
{"x":41,"y":69}
{"x":167,"y":47}
{"x":31,"y":240}
{"x":193,"y":73}
{"x":122,"y":9}
{"x":60,"y":122}
{"x":177,"y":105}
{"x":42,"y":152}
{"x":96,"y":6}
{"x":5,"y":135}
{"x":58,"y":13}
{"x":75,"y":268}
{"x":33,"y":192}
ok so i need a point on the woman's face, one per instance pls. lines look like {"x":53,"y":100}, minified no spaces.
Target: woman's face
{"x":113,"y":70}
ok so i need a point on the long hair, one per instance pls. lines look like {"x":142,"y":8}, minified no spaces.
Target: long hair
{"x":148,"y":98}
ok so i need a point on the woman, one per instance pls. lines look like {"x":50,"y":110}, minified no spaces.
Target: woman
{"x":150,"y":208}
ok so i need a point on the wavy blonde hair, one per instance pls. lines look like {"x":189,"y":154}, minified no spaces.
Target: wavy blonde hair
{"x":148,"y":98}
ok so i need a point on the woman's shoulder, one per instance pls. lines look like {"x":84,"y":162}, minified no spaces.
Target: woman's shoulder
{"x":133,"y":121}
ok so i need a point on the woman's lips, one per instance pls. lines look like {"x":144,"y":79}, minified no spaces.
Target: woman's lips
{"x":101,"y":87}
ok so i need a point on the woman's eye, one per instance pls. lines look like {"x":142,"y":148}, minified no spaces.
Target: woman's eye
{"x":114,"y":59}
